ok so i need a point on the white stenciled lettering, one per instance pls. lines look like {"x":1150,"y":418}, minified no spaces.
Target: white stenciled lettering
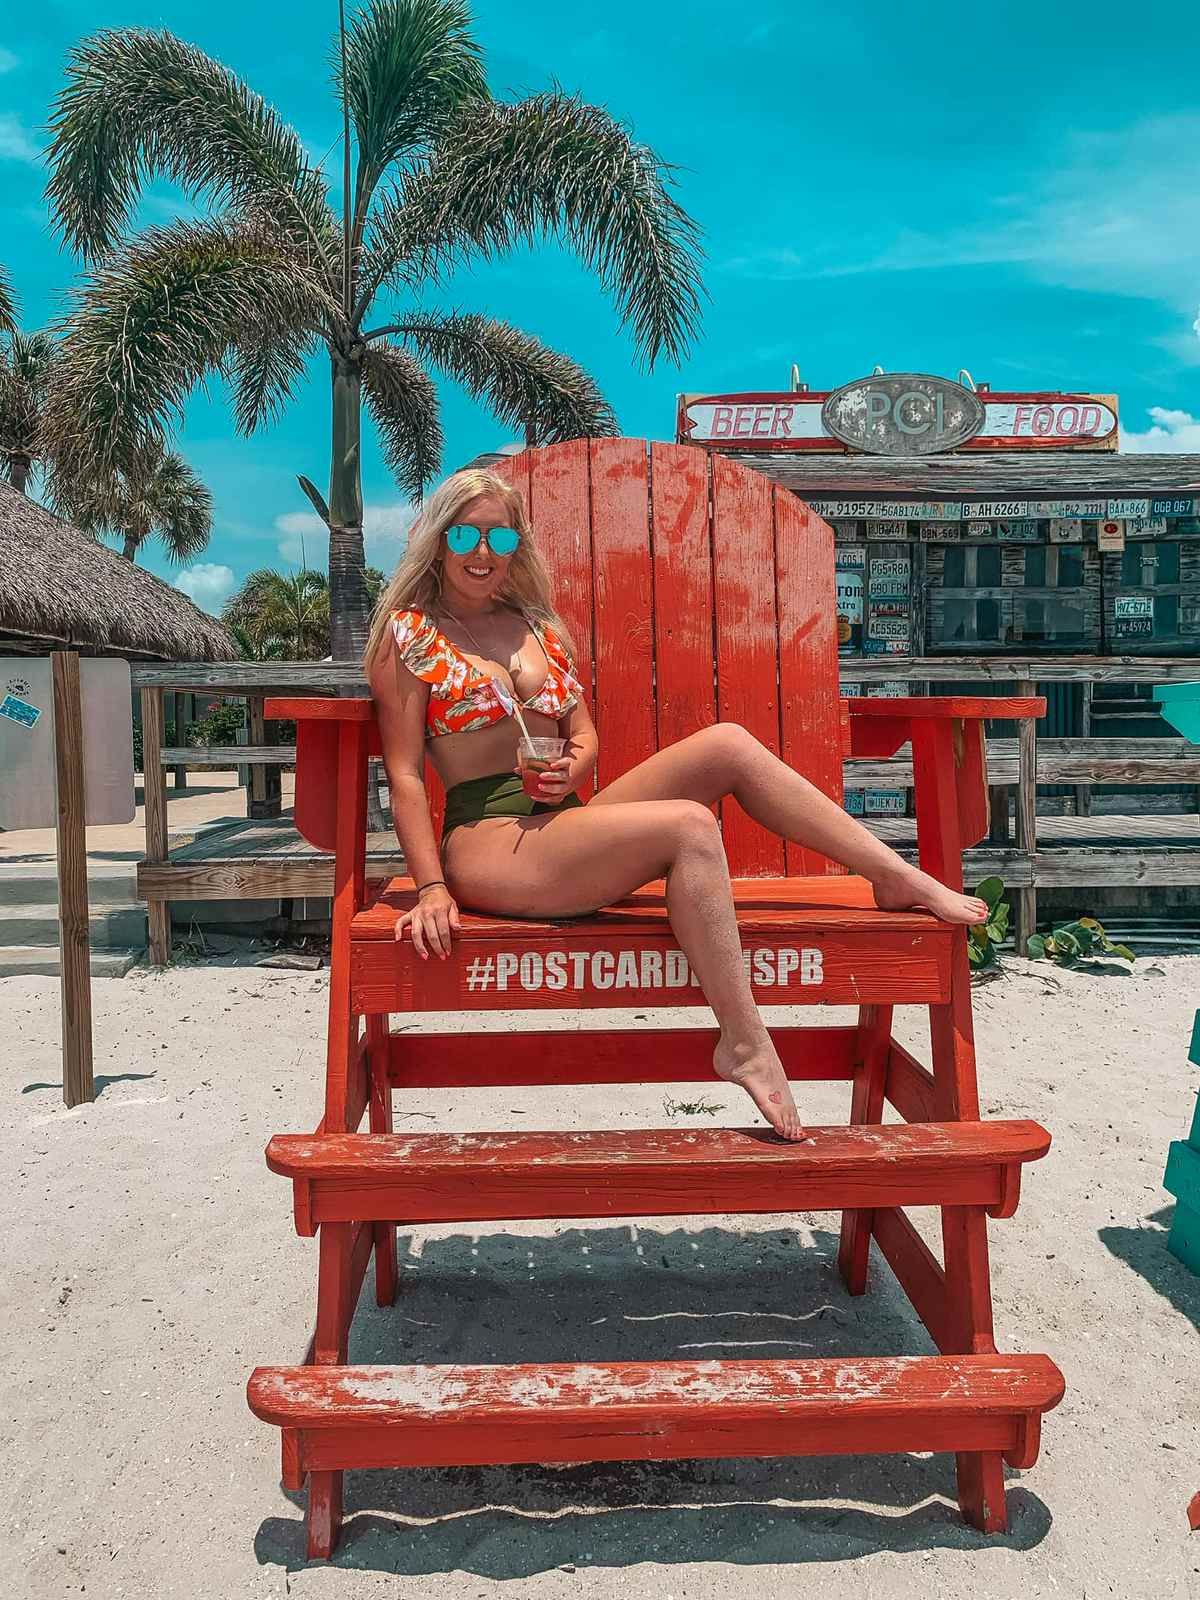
{"x":627,"y":970}
{"x":506,"y":966}
{"x":788,"y":961}
{"x":531,"y":970}
{"x":603,"y":965}
{"x":579,"y":965}
{"x":556,"y":969}
{"x":677,"y":969}
{"x":652,"y":969}
{"x":764,"y":967}
{"x":811,"y":966}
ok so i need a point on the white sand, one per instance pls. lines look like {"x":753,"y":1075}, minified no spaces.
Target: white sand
{"x":152,"y":1264}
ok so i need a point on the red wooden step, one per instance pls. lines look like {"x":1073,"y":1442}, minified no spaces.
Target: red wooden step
{"x":488,"y":1177}
{"x":657,"y":1411}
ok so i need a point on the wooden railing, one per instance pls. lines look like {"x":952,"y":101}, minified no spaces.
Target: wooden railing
{"x":1015,"y":766}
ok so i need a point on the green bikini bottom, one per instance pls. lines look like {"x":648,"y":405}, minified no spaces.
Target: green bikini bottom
{"x":498,"y":795}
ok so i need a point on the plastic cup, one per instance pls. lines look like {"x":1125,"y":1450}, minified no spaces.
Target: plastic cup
{"x":531,"y":767}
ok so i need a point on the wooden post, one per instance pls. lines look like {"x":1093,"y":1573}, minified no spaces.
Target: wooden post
{"x":1083,"y":791}
{"x":264,"y":797}
{"x":75,"y":956}
{"x":999,"y":827}
{"x":1026,"y":816}
{"x":154,"y":783}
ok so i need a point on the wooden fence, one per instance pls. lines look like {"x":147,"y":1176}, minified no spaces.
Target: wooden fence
{"x":1015,"y":766}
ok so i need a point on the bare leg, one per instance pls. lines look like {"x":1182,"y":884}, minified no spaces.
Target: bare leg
{"x":727,"y":760}
{"x":573,"y":862}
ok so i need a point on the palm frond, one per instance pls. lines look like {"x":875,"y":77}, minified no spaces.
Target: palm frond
{"x":26,"y":372}
{"x":171,"y":308}
{"x":409,"y":64}
{"x":526,"y":384}
{"x":403,"y":403}
{"x":139,"y":104}
{"x":265,"y":367}
{"x":156,"y":496}
{"x":502,"y":175}
{"x":8,"y":304}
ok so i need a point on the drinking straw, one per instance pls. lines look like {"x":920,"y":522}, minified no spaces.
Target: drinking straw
{"x":509,"y":703}
{"x":524,"y":730}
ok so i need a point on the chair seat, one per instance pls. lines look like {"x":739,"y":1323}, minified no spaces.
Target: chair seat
{"x":657,"y":1410}
{"x":805,"y":941}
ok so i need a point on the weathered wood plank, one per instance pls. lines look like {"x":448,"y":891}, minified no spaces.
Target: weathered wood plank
{"x":1026,"y":918}
{"x":461,"y":1415}
{"x":154,"y":788}
{"x":229,"y":755}
{"x":316,"y":677}
{"x":491,"y":1177}
{"x":75,"y":983}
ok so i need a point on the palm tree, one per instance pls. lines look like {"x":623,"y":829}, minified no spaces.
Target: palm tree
{"x":27,"y":362}
{"x":441,"y":174}
{"x":291,"y":609}
{"x":156,"y":495}
{"x":8,"y":304}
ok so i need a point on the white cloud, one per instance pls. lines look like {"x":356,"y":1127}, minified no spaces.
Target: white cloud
{"x":385,"y":530}
{"x":16,"y":143}
{"x":1171,"y":433}
{"x":7,"y":60}
{"x":208,"y":583}
{"x":1115,"y":215}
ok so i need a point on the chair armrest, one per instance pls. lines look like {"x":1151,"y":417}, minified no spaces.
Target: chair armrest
{"x":325,"y":709}
{"x":963,"y":707}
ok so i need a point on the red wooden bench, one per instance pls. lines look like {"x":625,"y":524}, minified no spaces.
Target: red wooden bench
{"x":648,"y":545}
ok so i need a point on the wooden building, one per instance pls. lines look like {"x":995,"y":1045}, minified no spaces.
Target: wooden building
{"x":975,"y":524}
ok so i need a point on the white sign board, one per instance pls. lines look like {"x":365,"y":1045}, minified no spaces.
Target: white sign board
{"x":28,"y":785}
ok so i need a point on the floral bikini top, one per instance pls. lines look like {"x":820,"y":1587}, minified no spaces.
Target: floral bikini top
{"x":462,"y":698}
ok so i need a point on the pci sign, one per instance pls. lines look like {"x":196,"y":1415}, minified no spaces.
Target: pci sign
{"x":903,"y":414}
{"x":900,"y":413}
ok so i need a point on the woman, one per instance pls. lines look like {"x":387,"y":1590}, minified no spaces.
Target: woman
{"x":465,"y":627}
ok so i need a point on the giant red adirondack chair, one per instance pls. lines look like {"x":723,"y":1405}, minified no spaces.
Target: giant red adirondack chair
{"x":697,"y":592}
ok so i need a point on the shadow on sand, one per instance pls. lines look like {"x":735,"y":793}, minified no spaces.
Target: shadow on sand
{"x":1145,"y":1250}
{"x":624,"y":1294}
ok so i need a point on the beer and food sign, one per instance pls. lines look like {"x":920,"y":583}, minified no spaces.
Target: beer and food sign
{"x":899,"y":414}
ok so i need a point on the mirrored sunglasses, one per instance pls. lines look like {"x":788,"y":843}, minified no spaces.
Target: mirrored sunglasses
{"x":462,"y":539}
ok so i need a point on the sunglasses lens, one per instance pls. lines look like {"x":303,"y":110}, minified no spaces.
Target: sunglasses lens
{"x":503,"y":541}
{"x":462,"y":539}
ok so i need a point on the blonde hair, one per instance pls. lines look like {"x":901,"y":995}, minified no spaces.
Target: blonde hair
{"x":416,"y":583}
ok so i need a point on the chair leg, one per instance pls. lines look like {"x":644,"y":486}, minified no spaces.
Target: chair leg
{"x":380,"y":1115}
{"x":968,"y":1290}
{"x":866,"y":1108}
{"x":334,"y":1310}
{"x":324,"y":1516}
{"x":291,"y":1473}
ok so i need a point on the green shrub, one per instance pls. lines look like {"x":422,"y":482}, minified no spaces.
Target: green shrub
{"x":983,"y":938}
{"x":220,"y":726}
{"x":1081,"y":940}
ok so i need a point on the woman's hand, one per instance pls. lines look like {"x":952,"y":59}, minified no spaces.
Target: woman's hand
{"x":432,"y":922}
{"x":555,"y":782}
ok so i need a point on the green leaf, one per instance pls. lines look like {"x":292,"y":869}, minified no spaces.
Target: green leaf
{"x":999,"y":919}
{"x":1122,"y":950}
{"x":991,"y":890}
{"x":1090,"y":922}
{"x":317,"y":498}
{"x":1037,"y":946}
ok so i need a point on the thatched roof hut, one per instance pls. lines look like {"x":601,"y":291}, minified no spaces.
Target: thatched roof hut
{"x":60,"y":587}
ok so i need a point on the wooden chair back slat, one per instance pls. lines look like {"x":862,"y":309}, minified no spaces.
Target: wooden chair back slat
{"x":811,"y":718}
{"x":685,"y":673}
{"x":743,"y":543}
{"x":695,"y":591}
{"x":624,"y":606}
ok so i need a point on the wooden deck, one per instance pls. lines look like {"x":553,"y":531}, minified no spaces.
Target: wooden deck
{"x":268,"y":860}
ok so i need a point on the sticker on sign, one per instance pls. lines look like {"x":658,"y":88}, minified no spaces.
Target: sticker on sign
{"x":19,"y":711}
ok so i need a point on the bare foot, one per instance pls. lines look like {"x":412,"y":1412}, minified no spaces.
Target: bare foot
{"x":758,"y":1070}
{"x":909,"y":887}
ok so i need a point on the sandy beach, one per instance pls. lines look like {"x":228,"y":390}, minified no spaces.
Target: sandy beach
{"x":153,"y":1263}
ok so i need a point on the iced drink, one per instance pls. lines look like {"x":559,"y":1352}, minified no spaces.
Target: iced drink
{"x":545,"y":750}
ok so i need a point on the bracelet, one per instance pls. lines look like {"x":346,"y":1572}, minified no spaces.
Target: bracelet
{"x":432,"y":884}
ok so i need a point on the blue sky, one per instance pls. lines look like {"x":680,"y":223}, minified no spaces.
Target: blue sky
{"x":1014,"y":189}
